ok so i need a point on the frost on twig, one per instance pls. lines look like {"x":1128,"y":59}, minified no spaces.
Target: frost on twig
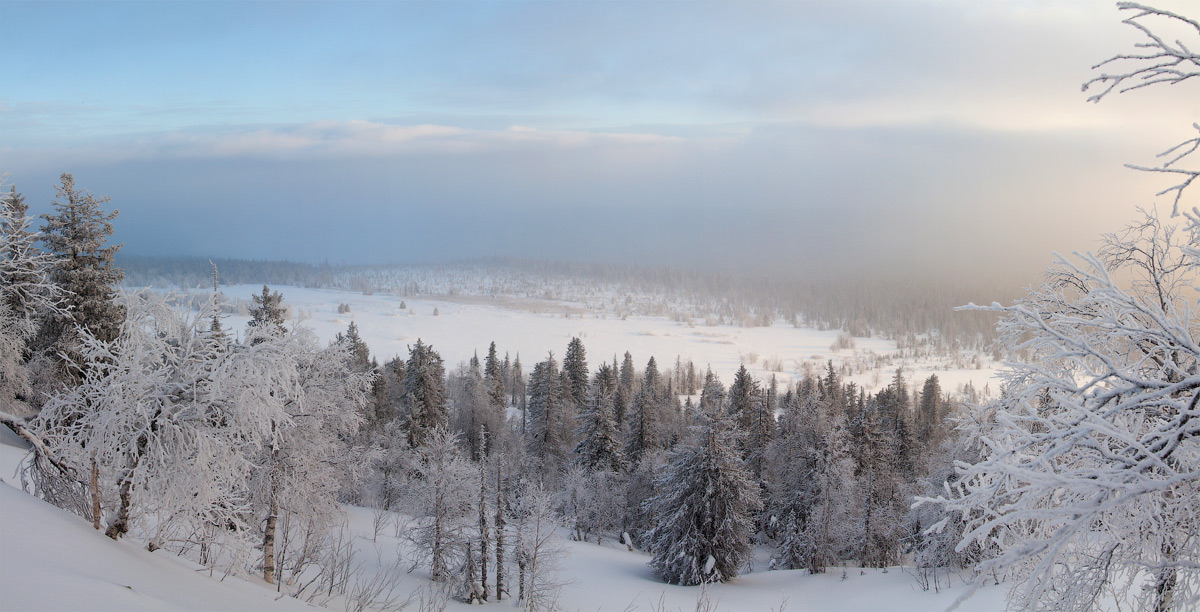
{"x":1156,"y":61}
{"x":1186,"y":175}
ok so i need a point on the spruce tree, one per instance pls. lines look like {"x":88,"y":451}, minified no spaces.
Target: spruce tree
{"x":267,"y":313}
{"x":424,"y":392}
{"x":493,"y":375}
{"x":929,"y":413}
{"x":22,"y":269}
{"x":359,"y":352}
{"x":645,"y":428}
{"x":575,"y":367}
{"x":76,"y":235}
{"x":550,"y":414}
{"x":705,"y":511}
{"x":599,"y":447}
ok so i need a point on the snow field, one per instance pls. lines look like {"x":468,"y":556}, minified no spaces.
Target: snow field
{"x":531,"y":327}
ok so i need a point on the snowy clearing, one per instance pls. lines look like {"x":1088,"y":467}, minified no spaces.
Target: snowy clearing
{"x":530,"y":327}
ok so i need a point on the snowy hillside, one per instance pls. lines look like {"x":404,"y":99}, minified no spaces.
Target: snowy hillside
{"x":53,"y":560}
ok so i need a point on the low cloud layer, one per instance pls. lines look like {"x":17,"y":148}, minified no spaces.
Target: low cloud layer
{"x":914,"y":135}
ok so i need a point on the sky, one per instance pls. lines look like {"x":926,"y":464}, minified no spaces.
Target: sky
{"x":916,"y":135}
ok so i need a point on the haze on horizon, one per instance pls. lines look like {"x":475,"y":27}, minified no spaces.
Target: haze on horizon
{"x":919,"y":135}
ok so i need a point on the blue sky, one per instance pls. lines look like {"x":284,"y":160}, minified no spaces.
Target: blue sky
{"x":917,"y":131}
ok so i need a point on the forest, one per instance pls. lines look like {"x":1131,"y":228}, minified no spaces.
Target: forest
{"x":238,"y":449}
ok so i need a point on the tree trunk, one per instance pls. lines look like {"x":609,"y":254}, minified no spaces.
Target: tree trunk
{"x":269,"y":542}
{"x":95,"y":489}
{"x":1164,"y":589}
{"x":120,"y":525}
{"x":499,"y":524}
{"x":272,"y":518}
{"x":483,"y":523}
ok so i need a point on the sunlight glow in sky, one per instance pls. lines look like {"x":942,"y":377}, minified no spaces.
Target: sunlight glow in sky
{"x":914,"y":130}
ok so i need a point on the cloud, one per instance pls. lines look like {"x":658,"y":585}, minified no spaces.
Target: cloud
{"x":340,"y":139}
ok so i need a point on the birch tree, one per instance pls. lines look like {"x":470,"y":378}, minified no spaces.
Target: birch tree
{"x":1092,"y":469}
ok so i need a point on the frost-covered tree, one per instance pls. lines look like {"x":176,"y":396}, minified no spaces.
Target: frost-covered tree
{"x":645,"y":420}
{"x":424,"y":392}
{"x":26,"y":292}
{"x":440,"y":497}
{"x":576,"y":370}
{"x":599,"y":446}
{"x":494,"y":376}
{"x":1089,"y":477}
{"x":84,"y":267}
{"x":705,"y":509}
{"x":749,"y":408}
{"x":359,"y":351}
{"x":307,"y":460}
{"x":267,"y":312}
{"x":551,"y":413}
{"x":539,"y":552}
{"x":1092,"y":467}
{"x":811,"y":486}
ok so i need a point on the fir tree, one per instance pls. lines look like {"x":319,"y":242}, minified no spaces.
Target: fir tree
{"x":550,"y":418}
{"x":705,"y":511}
{"x":929,"y":412}
{"x":599,"y":446}
{"x":645,"y":428}
{"x":84,"y":267}
{"x":267,"y":313}
{"x":576,"y":370}
{"x":493,"y":375}
{"x":361,"y":355}
{"x":424,"y":392}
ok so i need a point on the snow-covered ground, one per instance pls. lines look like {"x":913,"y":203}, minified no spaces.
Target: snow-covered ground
{"x":531,"y":327}
{"x":53,"y":560}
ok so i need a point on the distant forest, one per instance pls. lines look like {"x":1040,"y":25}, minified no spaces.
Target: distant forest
{"x":917,"y":310}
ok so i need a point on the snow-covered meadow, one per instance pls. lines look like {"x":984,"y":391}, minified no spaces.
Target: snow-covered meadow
{"x":530,"y":327}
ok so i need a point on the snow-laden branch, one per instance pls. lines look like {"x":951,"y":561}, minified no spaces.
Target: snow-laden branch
{"x":1162,"y":61}
{"x":1093,"y":453}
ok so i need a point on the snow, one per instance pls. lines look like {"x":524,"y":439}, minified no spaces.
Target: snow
{"x":53,"y":560}
{"x":530,"y":327}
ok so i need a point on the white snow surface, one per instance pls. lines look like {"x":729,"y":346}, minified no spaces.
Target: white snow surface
{"x":53,"y":560}
{"x":530,"y":327}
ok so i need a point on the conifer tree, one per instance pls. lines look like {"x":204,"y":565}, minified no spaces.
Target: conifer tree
{"x":599,"y":446}
{"x":705,"y":511}
{"x":929,"y":412}
{"x":551,"y":420}
{"x":576,"y":370}
{"x":76,"y":235}
{"x":360,"y":353}
{"x":645,"y":427}
{"x":493,"y":375}
{"x":267,"y":313}
{"x":26,"y":293}
{"x":424,"y":392}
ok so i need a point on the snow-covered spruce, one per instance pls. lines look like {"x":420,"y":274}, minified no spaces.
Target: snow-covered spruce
{"x":706,"y":508}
